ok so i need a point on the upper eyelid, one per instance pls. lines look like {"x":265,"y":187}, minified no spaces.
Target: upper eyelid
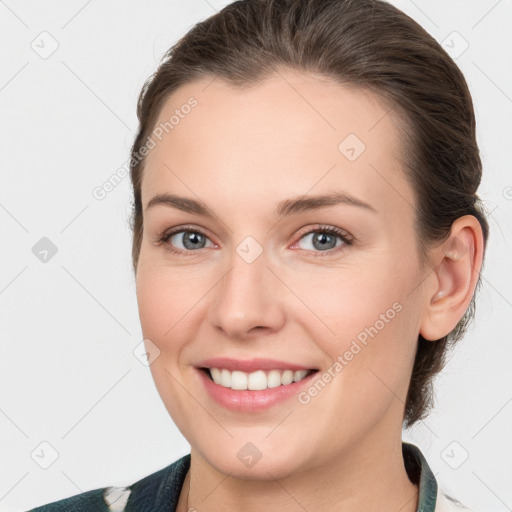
{"x":325,"y":227}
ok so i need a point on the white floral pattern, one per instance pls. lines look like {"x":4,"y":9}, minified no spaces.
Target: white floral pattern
{"x":446,"y":503}
{"x":116,"y":498}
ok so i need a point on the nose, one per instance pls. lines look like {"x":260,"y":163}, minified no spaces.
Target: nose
{"x":248,"y":301}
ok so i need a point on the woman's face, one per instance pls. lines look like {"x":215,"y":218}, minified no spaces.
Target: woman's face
{"x":260,"y":278}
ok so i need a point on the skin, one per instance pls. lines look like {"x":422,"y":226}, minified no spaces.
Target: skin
{"x":241,"y":151}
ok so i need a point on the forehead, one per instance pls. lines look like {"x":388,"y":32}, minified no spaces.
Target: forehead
{"x":289,"y":134}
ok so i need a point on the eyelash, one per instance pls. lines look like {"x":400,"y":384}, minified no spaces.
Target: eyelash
{"x":330,"y":230}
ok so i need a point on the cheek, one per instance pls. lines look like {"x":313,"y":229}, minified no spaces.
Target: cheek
{"x":152,"y":303}
{"x":163,"y":307}
{"x":365,"y":319}
{"x":162,"y":298}
{"x":343,"y":302}
{"x":172,"y":303}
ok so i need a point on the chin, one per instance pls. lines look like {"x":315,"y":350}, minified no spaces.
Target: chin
{"x":248,"y":462}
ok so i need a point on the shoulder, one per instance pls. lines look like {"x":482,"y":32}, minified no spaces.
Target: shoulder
{"x":90,"y":500}
{"x":106,"y":499}
{"x":445,"y":503}
{"x":151,"y":493}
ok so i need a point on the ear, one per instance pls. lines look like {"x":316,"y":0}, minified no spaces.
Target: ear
{"x":457,"y":263}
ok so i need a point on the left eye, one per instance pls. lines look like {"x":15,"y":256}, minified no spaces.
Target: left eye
{"x":324,"y":240}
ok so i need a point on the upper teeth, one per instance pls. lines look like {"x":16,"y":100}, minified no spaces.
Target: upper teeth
{"x":256,"y":380}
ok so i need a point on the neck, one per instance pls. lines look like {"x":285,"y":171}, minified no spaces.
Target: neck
{"x":370,"y":476}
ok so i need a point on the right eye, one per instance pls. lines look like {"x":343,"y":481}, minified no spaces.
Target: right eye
{"x":190,"y":239}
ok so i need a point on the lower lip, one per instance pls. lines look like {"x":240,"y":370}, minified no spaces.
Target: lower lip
{"x":246,"y":400}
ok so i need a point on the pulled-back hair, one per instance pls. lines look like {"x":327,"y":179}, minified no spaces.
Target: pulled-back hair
{"x":369,"y":44}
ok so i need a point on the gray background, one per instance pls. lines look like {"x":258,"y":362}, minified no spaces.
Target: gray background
{"x":75,"y":399}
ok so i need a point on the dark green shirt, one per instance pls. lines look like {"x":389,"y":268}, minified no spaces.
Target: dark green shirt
{"x":160,"y":491}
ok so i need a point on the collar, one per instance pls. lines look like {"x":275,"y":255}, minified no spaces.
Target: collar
{"x":419,"y":473}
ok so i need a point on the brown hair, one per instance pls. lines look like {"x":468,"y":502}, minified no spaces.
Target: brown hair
{"x":369,"y":44}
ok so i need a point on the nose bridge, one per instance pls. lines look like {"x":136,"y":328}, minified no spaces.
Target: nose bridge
{"x":247,"y":296}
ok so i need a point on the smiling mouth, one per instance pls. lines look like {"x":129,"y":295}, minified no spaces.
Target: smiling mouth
{"x":257,"y":380}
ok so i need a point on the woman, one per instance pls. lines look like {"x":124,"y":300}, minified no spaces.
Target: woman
{"x":322,"y":157}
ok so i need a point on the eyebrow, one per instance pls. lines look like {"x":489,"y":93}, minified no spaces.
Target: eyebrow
{"x":286,"y":207}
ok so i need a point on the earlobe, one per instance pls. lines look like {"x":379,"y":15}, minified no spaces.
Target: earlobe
{"x":459,"y":260}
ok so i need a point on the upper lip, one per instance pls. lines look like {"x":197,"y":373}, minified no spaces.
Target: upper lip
{"x":250,"y":365}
